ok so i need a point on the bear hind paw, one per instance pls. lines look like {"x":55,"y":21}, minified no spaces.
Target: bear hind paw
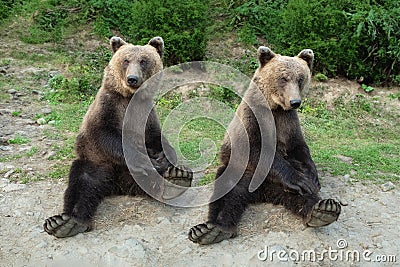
{"x":64,"y":225}
{"x":208,"y":233}
{"x":323,"y":213}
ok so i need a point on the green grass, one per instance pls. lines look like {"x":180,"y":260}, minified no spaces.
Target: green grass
{"x":32,"y":151}
{"x":19,"y":140}
{"x":349,"y":129}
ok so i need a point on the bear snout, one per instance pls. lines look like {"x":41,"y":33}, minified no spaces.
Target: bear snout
{"x":133,"y":80}
{"x":295,"y":103}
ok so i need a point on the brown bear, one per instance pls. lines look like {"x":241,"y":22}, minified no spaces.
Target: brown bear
{"x":292,"y":180}
{"x":100,"y":169}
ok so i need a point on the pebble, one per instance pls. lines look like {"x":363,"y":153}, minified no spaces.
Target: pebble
{"x":41,"y":121}
{"x":131,"y":248}
{"x":387,"y":186}
{"x":6,"y":148}
{"x":46,"y":111}
{"x":12,"y":91}
{"x":8,"y":174}
{"x":14,"y":187}
{"x":36,"y":92}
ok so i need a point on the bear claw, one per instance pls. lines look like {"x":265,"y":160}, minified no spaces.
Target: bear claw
{"x":323,"y":213}
{"x":179,"y":178}
{"x":64,"y":225}
{"x":208,"y":233}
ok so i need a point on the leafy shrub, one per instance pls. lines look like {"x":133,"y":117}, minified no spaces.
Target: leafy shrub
{"x":182,"y":24}
{"x":320,"y":77}
{"x":6,"y":6}
{"x":258,"y":19}
{"x":349,"y":38}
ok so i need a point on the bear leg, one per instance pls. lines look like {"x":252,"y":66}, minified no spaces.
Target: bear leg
{"x":224,"y":215}
{"x":315,"y":211}
{"x":88,"y":185}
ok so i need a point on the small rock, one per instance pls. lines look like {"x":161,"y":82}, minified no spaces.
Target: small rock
{"x":36,"y":92}
{"x":14,"y":187}
{"x":4,"y":182}
{"x":42,"y":244}
{"x":19,"y":94}
{"x":5,"y":111}
{"x":387,"y":186}
{"x":51,"y":122}
{"x":46,"y":111}
{"x":30,"y":213}
{"x":6,"y":148}
{"x":8,"y":174}
{"x":41,"y":121}
{"x":345,"y":159}
{"x":12,"y":91}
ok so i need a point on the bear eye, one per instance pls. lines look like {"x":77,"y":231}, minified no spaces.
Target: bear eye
{"x":143,"y":63}
{"x":283,"y":80}
{"x":301,"y":80}
{"x":126,"y":62}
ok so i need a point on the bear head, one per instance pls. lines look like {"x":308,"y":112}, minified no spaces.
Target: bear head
{"x":281,"y":78}
{"x":131,"y":65}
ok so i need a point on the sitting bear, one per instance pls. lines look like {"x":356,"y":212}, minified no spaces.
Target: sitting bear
{"x":100,"y":169}
{"x":292,"y":180}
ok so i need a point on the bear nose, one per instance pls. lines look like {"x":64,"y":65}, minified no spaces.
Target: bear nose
{"x":132,"y":80}
{"x":295,"y":103}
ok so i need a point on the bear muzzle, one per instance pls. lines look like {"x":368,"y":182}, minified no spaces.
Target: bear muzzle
{"x":133,"y":81}
{"x":295,"y":103}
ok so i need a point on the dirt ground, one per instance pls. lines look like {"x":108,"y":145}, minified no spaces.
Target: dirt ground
{"x":136,"y":231}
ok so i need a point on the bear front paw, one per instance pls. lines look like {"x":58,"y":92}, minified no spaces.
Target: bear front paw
{"x":179,"y":179}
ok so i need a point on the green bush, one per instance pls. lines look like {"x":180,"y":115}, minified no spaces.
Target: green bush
{"x":350,"y":38}
{"x":258,"y":19}
{"x":182,"y":24}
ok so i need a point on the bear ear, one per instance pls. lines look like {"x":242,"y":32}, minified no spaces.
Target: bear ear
{"x":158,"y":43}
{"x":308,"y":56}
{"x":116,"y":43}
{"x":264,"y":55}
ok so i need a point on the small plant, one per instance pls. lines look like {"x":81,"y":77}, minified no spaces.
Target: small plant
{"x":320,"y":77}
{"x":16,"y":113}
{"x":367,"y":88}
{"x":19,"y":140}
{"x":32,"y":151}
{"x":394,"y":96}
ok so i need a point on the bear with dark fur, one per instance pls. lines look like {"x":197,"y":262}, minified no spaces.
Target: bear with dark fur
{"x":292,"y":180}
{"x":100,"y":169}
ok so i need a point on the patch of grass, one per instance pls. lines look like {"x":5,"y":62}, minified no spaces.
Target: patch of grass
{"x":66,"y":150}
{"x":19,"y":140}
{"x":348,"y":129}
{"x":59,"y":171}
{"x":32,"y":151}
{"x":16,"y":113}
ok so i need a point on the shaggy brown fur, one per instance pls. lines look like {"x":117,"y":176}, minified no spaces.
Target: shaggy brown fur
{"x":100,"y":169}
{"x":292,"y":180}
